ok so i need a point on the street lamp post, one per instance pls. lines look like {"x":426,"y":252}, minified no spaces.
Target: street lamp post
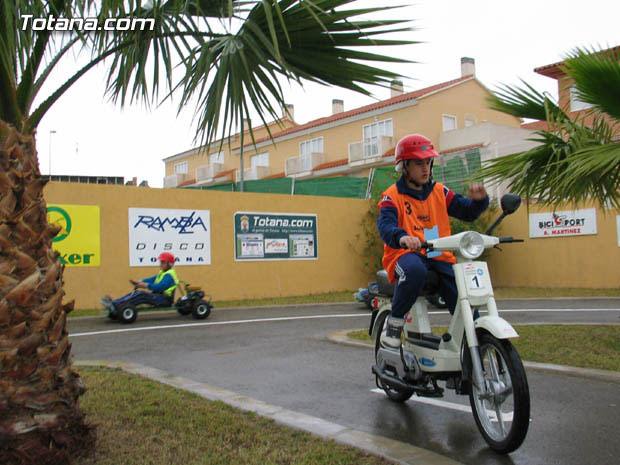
{"x":50,"y":153}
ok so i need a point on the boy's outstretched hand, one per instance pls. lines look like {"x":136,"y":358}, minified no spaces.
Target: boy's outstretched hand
{"x":477,"y":192}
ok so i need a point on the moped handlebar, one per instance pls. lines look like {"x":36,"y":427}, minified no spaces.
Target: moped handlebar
{"x":424,"y":245}
{"x":503,"y":240}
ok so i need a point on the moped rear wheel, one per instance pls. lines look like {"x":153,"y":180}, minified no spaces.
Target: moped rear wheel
{"x":395,"y":394}
{"x":503,"y":414}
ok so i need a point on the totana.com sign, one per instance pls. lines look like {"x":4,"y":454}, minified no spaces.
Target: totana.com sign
{"x":275,"y":236}
{"x":184,"y":233}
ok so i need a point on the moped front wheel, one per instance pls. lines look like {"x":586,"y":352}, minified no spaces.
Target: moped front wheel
{"x":395,"y":394}
{"x":503,"y":413}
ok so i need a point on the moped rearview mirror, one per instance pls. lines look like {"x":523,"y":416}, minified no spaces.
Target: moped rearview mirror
{"x":510,"y":203}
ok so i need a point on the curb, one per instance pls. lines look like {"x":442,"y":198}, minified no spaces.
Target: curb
{"x":396,"y":451}
{"x":340,"y":337}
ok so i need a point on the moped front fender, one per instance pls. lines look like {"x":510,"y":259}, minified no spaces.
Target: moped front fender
{"x":497,"y":326}
{"x":374,"y":329}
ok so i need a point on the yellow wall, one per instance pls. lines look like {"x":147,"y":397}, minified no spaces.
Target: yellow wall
{"x":583,"y":261}
{"x":337,"y":267}
{"x":591,"y":261}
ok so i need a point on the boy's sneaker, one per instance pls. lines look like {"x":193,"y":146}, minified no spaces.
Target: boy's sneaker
{"x":107,"y":302}
{"x":393,"y":330}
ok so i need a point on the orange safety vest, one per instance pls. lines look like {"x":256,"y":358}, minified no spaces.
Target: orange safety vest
{"x":414,"y":216}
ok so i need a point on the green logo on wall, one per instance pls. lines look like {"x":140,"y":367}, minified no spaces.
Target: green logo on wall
{"x":59,"y":217}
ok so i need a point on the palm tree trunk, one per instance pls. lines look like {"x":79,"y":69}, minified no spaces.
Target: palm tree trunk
{"x":40,"y":418}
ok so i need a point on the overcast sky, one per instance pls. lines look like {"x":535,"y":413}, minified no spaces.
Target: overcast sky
{"x":508,"y":39}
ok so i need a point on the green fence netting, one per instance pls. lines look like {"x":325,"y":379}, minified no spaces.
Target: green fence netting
{"x":383,"y":178}
{"x":331,"y":187}
{"x":453,"y":171}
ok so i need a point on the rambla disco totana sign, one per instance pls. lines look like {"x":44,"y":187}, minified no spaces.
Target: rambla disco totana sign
{"x":78,"y":242}
{"x":184,"y":233}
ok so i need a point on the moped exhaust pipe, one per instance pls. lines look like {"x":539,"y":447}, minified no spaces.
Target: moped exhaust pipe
{"x":391,"y":380}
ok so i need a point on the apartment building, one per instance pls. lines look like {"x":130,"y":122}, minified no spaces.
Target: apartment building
{"x":567,"y":96}
{"x":345,"y":143}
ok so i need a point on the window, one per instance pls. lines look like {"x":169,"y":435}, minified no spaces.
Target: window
{"x":575,"y":103}
{"x":311,"y":146}
{"x":372,"y":133}
{"x":217,"y":157}
{"x":180,"y":168}
{"x":469,"y":122}
{"x":449,"y":122}
{"x":262,"y":159}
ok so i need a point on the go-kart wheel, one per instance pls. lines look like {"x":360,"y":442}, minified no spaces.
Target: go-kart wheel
{"x":127,"y":313}
{"x":113,"y":314}
{"x":201,"y":310}
{"x":185,"y":310}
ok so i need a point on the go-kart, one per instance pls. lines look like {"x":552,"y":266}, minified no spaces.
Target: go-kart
{"x":193,"y":301}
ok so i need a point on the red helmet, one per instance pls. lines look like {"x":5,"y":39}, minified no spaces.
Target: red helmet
{"x":166,"y":257}
{"x":414,"y":146}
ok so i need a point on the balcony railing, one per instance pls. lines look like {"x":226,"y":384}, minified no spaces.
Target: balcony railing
{"x":252,"y":174}
{"x":303,"y":163}
{"x":369,"y":150}
{"x":174,"y":180}
{"x":206,"y":173}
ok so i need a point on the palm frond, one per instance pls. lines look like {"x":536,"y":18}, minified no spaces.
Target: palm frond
{"x":525,"y":102}
{"x":573,"y":162}
{"x":597,"y":78}
{"x":312,"y":41}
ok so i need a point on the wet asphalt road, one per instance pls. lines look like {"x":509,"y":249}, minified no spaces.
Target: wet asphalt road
{"x":289,"y":363}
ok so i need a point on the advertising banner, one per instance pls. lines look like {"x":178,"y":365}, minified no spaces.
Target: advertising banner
{"x":566,"y":223}
{"x":275,"y":236}
{"x":79,"y":239}
{"x":184,"y":233}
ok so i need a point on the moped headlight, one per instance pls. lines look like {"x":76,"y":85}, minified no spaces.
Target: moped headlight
{"x":471,"y":245}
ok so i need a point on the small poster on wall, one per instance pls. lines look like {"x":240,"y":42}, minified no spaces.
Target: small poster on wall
{"x":564,"y":223}
{"x":184,"y":233}
{"x":79,"y":240}
{"x":275,"y":236}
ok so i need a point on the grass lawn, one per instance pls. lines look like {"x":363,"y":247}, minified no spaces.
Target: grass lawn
{"x":140,"y":421}
{"x":579,"y":346}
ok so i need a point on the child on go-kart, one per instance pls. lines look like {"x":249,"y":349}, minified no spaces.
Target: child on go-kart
{"x":162,"y":287}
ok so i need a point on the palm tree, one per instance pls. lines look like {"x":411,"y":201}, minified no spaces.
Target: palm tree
{"x":578,"y":159}
{"x":229,"y":56}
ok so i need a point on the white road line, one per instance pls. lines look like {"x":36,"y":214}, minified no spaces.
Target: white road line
{"x":215,"y":323}
{"x":545,"y":310}
{"x":507,"y":416}
{"x":433,"y":401}
{"x":258,"y":320}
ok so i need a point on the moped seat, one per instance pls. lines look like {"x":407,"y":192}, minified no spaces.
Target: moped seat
{"x":431,"y":286}
{"x":385,"y":286}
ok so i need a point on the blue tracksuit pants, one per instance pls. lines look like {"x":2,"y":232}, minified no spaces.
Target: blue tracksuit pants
{"x":411,"y":271}
{"x":141,"y":297}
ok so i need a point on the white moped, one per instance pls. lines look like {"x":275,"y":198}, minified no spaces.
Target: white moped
{"x":474,"y":357}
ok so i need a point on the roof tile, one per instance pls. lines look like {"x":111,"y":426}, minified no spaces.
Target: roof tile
{"x":367,"y":108}
{"x":331,"y":164}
